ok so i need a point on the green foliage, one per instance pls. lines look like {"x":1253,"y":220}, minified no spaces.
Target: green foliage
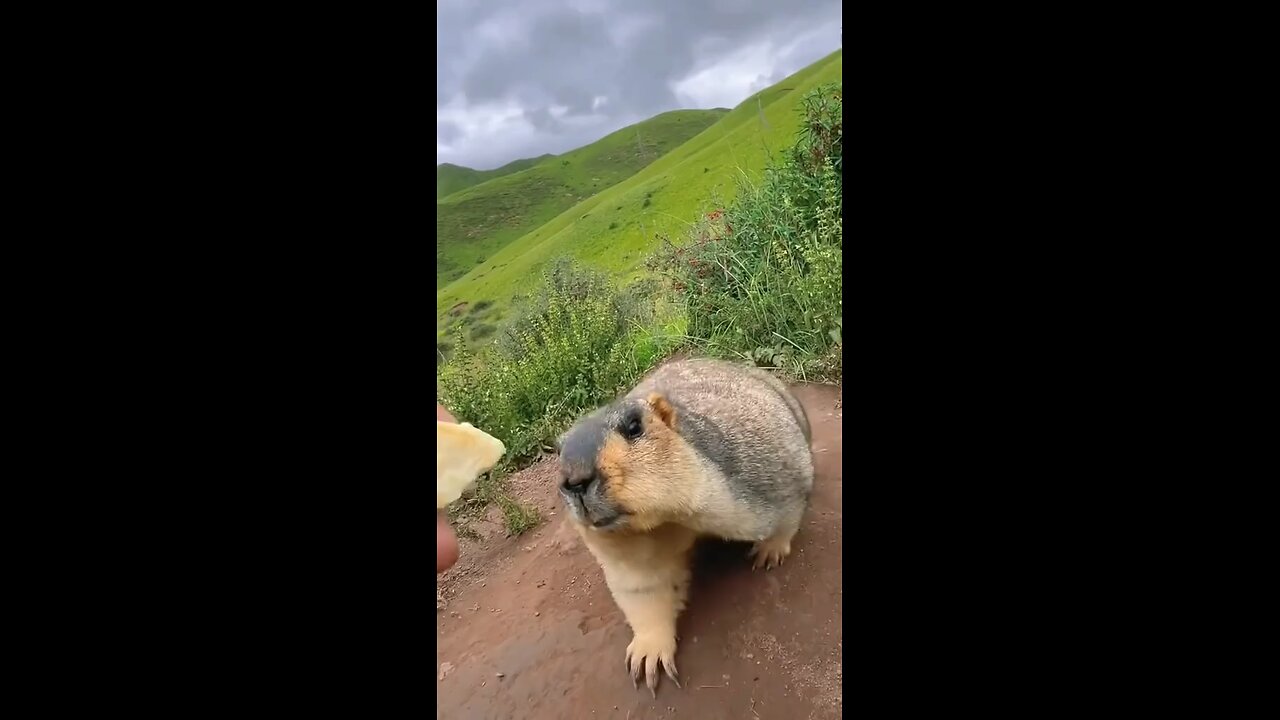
{"x":572,"y":348}
{"x":491,"y":488}
{"x":822,"y":134}
{"x":762,"y":279}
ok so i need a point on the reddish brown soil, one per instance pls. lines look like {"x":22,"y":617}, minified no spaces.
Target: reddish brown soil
{"x":525,"y":627}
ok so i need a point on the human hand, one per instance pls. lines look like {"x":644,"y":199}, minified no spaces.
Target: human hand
{"x":446,"y":540}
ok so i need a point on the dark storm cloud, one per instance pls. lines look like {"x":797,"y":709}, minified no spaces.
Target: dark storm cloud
{"x":519,"y":78}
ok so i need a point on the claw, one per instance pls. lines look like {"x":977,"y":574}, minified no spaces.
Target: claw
{"x":670,"y":668}
{"x":632,"y":670}
{"x":651,"y":675}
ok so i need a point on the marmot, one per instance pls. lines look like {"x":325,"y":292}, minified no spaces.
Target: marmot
{"x":699,"y":447}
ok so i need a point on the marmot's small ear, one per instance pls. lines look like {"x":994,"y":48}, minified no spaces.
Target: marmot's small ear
{"x":662,"y":409}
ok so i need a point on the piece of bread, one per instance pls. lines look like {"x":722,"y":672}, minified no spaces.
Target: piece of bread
{"x":462,"y":454}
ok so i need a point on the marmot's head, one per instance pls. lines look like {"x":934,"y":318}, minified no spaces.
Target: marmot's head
{"x":625,"y":466}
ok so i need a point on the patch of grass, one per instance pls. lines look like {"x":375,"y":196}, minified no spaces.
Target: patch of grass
{"x":491,"y":488}
{"x":517,"y":516}
{"x":483,"y":330}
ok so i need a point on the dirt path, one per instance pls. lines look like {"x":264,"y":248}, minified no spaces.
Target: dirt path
{"x":525,"y":627}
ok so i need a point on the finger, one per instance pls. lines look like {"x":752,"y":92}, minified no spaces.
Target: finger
{"x":446,"y":545}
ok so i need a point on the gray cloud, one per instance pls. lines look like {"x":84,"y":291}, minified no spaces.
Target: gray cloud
{"x":519,"y":78}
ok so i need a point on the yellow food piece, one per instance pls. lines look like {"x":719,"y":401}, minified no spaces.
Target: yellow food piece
{"x":462,"y":454}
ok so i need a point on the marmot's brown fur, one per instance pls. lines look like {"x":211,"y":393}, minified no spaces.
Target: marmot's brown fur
{"x":700,"y":447}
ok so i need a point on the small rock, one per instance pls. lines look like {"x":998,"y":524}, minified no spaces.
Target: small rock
{"x":536,"y":614}
{"x":445,"y":669}
{"x":483,"y":584}
{"x":501,"y":675}
{"x":750,"y":656}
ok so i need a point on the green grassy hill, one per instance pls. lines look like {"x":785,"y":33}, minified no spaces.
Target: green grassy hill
{"x":451,"y":178}
{"x":616,"y":228}
{"x":476,"y":222}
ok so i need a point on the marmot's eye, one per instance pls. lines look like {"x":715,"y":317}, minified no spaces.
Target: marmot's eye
{"x":631,"y":427}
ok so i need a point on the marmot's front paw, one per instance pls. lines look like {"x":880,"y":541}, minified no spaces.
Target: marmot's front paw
{"x":645,"y":652}
{"x":770,"y":552}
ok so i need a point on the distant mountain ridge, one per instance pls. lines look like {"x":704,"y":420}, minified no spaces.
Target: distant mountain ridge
{"x":451,"y":178}
{"x":478,"y":220}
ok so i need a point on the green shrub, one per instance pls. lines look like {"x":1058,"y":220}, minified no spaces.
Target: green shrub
{"x":572,"y":348}
{"x":821,"y":140}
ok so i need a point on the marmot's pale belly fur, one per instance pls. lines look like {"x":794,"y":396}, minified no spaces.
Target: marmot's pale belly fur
{"x":699,"y":447}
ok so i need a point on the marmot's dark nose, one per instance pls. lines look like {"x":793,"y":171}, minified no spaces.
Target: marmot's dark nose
{"x":579,"y":482}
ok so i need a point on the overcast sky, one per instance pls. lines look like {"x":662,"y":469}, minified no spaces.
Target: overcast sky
{"x":519,"y":78}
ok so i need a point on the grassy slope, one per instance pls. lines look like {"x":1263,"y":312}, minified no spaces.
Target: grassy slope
{"x":451,"y":178}
{"x":476,"y":222}
{"x":615,"y":229}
